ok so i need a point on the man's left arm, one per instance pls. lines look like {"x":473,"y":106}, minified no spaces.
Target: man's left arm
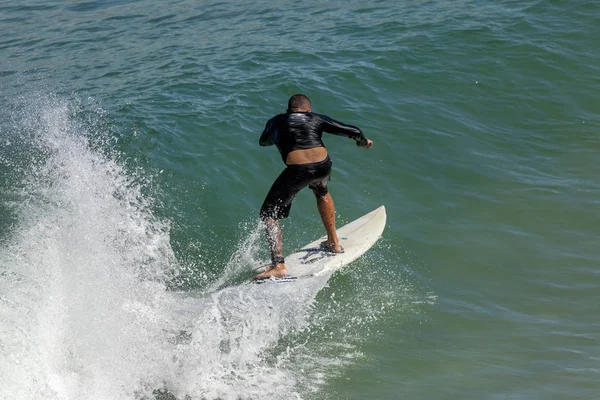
{"x":266,"y":139}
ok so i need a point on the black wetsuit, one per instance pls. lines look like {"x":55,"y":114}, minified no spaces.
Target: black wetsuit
{"x":295,"y":131}
{"x":303,"y":130}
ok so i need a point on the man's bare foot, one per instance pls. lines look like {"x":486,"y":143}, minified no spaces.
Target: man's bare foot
{"x":331,"y":247}
{"x":278,"y":271}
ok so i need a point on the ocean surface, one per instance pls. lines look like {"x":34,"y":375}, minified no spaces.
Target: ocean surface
{"x":131,"y":178}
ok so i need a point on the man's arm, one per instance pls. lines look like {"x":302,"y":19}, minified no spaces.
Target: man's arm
{"x":338,"y":128}
{"x":266,"y":139}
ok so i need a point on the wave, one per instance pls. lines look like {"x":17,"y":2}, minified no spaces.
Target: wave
{"x":85,"y":301}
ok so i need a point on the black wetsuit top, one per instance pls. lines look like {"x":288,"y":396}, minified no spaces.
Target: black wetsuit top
{"x":303,"y":130}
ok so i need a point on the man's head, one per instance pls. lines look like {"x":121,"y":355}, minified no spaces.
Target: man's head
{"x":299,"y":103}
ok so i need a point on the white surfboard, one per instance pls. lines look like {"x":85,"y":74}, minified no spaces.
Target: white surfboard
{"x":356,"y":238}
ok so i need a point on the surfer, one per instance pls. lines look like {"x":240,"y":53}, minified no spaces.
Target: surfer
{"x":297,"y":135}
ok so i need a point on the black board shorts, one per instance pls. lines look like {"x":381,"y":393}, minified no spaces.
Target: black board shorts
{"x":294,"y":178}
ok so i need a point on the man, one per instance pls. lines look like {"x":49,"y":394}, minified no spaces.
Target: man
{"x":297,"y":135}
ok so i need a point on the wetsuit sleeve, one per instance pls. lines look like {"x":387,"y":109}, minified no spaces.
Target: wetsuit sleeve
{"x":266,"y":139}
{"x":337,"y":128}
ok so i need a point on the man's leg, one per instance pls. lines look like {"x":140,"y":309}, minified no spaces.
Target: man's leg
{"x":274,"y":237}
{"x":327,"y":211}
{"x":275,"y":240}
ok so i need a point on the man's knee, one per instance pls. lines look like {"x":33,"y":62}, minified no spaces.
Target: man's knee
{"x":320,"y":191}
{"x":268,"y":222}
{"x":274,"y":212}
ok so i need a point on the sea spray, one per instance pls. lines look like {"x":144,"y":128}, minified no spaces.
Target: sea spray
{"x":84,"y":297}
{"x":245,"y":258}
{"x":85,"y":306}
{"x":85,"y":266}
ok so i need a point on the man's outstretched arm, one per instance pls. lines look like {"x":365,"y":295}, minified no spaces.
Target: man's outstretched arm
{"x":338,"y":128}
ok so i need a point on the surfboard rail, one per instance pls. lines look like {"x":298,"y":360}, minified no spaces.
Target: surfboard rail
{"x":356,"y":238}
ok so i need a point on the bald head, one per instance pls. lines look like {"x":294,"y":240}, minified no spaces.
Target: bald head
{"x":299,"y":103}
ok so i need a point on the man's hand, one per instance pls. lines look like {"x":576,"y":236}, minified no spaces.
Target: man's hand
{"x":364,"y":142}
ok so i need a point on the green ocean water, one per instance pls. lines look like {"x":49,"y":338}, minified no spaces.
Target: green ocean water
{"x":131,"y":178}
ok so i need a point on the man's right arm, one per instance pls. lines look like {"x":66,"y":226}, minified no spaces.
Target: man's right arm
{"x":338,"y":128}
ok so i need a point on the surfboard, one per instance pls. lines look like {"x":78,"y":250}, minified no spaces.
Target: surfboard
{"x":355,"y":237}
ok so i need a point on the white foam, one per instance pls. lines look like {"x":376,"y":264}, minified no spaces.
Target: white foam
{"x":86,"y":266}
{"x":83,"y":301}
